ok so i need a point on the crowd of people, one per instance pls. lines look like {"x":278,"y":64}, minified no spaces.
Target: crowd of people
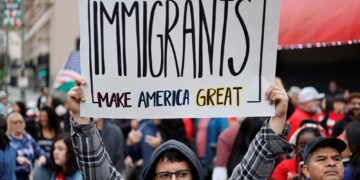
{"x":312,"y":136}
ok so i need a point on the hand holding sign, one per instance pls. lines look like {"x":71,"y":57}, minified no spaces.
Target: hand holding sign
{"x":74,"y":97}
{"x":277,"y":95}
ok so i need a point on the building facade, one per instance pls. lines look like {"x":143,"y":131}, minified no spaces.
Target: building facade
{"x":51,"y":31}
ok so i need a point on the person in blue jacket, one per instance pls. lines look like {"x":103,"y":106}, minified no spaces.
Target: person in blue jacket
{"x":7,"y":154}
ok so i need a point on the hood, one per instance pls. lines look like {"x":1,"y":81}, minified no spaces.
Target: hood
{"x":182,"y":148}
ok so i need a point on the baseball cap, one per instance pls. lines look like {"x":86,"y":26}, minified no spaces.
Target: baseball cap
{"x":309,"y":93}
{"x":323,"y":142}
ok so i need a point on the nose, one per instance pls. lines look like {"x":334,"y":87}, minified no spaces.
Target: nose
{"x":330,"y":162}
{"x":55,"y":152}
{"x":173,"y":177}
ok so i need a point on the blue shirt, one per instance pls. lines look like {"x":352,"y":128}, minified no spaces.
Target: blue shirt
{"x":28,"y":148}
{"x":347,"y":173}
{"x":7,"y":164}
{"x":143,"y":150}
{"x":3,"y":109}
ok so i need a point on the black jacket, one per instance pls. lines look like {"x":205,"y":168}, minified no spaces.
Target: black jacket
{"x":194,"y":162}
{"x":341,"y":125}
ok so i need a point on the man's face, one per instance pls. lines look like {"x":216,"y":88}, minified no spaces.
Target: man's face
{"x":324,"y":164}
{"x":312,"y":106}
{"x":354,"y":107}
{"x":167,"y":170}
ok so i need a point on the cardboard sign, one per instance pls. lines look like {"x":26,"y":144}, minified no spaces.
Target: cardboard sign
{"x":172,"y":59}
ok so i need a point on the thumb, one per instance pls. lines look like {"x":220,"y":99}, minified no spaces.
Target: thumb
{"x":158,"y":135}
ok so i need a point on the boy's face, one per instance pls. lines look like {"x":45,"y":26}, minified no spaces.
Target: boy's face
{"x":167,"y":170}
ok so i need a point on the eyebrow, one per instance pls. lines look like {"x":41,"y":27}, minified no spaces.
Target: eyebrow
{"x":324,"y":156}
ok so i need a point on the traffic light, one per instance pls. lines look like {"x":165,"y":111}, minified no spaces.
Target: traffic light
{"x":42,"y":73}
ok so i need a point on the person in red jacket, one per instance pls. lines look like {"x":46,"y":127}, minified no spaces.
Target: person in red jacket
{"x":328,"y":120}
{"x":309,"y":108}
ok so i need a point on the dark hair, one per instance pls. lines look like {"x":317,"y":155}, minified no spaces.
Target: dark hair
{"x":4,"y":140}
{"x":353,"y":96}
{"x":174,"y":155}
{"x":303,"y":131}
{"x":22,"y":107}
{"x":298,"y":155}
{"x":248,"y":129}
{"x":173,"y":129}
{"x":71,"y":164}
{"x":352,"y":136}
{"x":53,"y":120}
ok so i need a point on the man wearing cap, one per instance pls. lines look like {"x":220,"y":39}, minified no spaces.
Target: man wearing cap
{"x":3,"y":103}
{"x":309,"y":106}
{"x":353,"y":114}
{"x":322,"y":157}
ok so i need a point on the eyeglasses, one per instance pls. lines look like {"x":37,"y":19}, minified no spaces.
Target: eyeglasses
{"x":180,"y":175}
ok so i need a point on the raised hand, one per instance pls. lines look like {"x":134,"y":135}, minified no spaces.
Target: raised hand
{"x":154,"y":141}
{"x":74,"y":97}
{"x":23,"y":160}
{"x":277,"y":95}
{"x":133,"y":137}
{"x":42,"y":160}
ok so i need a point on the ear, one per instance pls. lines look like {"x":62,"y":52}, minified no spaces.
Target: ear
{"x":305,"y":170}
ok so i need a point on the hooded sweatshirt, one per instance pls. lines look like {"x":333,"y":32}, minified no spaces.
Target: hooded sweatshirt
{"x":194,"y":162}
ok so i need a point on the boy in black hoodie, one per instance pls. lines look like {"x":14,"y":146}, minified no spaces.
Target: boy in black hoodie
{"x":173,"y":158}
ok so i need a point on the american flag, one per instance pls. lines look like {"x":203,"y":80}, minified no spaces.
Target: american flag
{"x":69,"y":73}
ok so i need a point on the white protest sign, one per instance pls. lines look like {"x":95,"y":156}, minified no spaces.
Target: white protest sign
{"x":170,"y":58}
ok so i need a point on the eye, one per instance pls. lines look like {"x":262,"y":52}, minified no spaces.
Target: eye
{"x":164,"y":175}
{"x":182,"y":174}
{"x":337,"y":158}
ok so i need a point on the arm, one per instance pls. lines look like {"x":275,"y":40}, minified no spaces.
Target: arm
{"x":269,"y":142}
{"x":38,"y":151}
{"x":93,"y":160}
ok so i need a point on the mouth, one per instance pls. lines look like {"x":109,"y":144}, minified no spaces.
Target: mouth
{"x":332,"y":173}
